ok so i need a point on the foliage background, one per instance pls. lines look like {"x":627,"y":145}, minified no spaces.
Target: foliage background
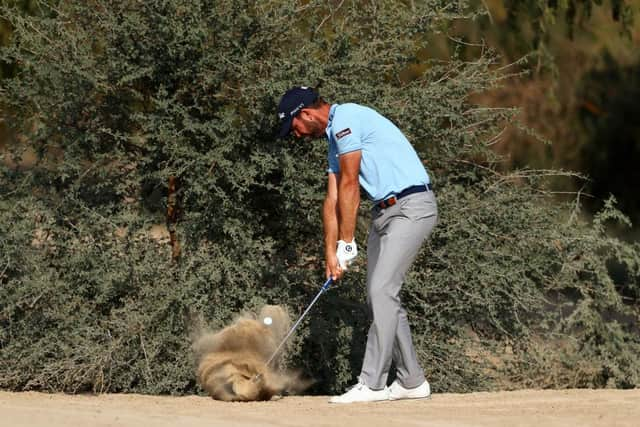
{"x":579,"y":94}
{"x":111,"y":103}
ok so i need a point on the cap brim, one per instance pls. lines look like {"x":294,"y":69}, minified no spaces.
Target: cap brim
{"x":285,"y":128}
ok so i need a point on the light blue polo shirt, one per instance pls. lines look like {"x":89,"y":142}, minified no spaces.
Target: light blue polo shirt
{"x":389,"y":163}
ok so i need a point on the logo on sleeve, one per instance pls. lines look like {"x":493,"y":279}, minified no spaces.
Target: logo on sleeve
{"x":343,"y":132}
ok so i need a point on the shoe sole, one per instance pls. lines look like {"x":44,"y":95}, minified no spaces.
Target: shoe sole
{"x":359,"y":401}
{"x":410,"y":398}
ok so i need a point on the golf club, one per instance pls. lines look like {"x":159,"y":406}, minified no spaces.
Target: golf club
{"x":295,"y":325}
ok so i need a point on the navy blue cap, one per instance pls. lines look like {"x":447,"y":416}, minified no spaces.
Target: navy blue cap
{"x":291,"y":103}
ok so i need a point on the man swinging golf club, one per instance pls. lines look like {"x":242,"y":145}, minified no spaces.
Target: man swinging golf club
{"x":366,"y":149}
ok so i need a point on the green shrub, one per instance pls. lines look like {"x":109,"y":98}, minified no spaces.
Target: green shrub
{"x":119,"y":100}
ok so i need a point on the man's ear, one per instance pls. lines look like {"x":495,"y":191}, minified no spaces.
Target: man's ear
{"x":307,"y":114}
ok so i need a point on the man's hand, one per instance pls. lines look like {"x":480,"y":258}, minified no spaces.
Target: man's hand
{"x":346,"y":253}
{"x":333,"y":269}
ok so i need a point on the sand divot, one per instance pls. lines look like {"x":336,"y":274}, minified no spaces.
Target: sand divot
{"x":231,"y":363}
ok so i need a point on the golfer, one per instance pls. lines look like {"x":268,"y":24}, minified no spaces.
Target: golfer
{"x":366,"y":150}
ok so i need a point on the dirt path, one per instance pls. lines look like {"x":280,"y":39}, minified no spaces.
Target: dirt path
{"x":585,"y":408}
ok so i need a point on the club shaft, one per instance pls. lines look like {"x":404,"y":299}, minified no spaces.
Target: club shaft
{"x":295,"y":325}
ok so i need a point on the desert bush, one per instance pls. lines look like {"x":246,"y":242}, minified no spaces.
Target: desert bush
{"x":163,"y":113}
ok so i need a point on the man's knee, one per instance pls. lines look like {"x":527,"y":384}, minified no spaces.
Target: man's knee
{"x":383,"y":297}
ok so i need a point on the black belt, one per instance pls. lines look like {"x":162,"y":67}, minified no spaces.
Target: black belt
{"x":409,"y":190}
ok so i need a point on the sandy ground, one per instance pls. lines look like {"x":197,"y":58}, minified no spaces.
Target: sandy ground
{"x":585,"y":408}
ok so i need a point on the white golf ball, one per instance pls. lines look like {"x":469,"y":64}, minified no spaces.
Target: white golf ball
{"x":267,"y":320}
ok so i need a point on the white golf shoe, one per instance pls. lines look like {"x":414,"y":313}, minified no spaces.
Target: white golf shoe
{"x":397,"y":392}
{"x":361,"y":393}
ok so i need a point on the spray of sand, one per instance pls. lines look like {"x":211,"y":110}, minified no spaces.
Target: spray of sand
{"x":231,"y":363}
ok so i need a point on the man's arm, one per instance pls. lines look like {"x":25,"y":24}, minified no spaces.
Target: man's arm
{"x":348,"y":195}
{"x":330,"y":222}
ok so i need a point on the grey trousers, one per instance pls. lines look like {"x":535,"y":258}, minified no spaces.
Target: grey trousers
{"x":395,"y":237}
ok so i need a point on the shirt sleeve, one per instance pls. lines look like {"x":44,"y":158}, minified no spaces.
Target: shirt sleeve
{"x":347,"y":135}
